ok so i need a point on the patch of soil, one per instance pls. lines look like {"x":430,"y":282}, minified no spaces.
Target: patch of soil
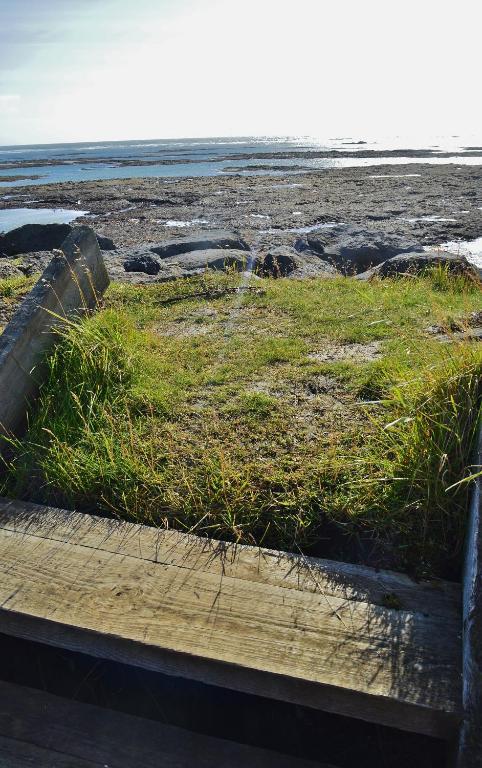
{"x":473,"y":320}
{"x":183,"y":328}
{"x":351,"y":352}
{"x":320,"y":404}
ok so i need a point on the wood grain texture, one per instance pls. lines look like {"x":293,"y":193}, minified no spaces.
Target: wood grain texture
{"x":44,"y":731}
{"x":308,"y":631}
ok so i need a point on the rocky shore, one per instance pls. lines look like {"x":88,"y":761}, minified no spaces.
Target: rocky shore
{"x":325,"y":222}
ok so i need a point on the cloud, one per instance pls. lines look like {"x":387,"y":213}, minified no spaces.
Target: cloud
{"x":100,"y":69}
{"x":9,"y":103}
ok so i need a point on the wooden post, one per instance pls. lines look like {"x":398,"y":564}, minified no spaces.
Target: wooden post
{"x":470,"y":739}
{"x":70,"y":285}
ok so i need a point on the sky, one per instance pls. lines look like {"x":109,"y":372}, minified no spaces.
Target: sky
{"x":90,"y":70}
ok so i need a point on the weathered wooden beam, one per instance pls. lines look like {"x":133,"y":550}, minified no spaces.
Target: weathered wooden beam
{"x":71,"y":284}
{"x":470,"y":741}
{"x":311,"y":632}
{"x":41,"y":730}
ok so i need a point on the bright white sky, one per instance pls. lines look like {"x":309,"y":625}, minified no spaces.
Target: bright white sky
{"x":84,"y":70}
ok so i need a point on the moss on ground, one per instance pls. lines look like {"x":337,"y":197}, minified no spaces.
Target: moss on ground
{"x":316,"y":415}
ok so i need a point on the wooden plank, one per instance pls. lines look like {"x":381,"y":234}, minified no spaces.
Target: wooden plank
{"x":48,"y":731}
{"x":17,"y":754}
{"x":72,"y":283}
{"x":244,"y":618}
{"x":170,"y":547}
{"x":470,"y":740}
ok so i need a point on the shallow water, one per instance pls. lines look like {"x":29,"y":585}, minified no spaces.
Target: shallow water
{"x":312,"y":228}
{"x":187,"y":158}
{"x":17,"y":217}
{"x":302,"y":230}
{"x":192,"y":223}
{"x":394,"y":175}
{"x":471,"y":249}
{"x":430,"y":218}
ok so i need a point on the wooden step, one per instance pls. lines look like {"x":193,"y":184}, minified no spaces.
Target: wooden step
{"x":40,"y":730}
{"x":312,"y":632}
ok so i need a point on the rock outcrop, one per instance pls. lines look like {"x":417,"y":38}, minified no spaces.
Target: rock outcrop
{"x":143,"y":262}
{"x":283,"y":261}
{"x":353,"y":250}
{"x":418,"y":263}
{"x":206,"y":241}
{"x":182,"y":257}
{"x":33,"y":237}
{"x":187,"y":264}
{"x":105,"y":243}
{"x":7,"y":269}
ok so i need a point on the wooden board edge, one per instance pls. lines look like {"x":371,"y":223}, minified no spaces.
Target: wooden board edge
{"x":469,"y":752}
{"x":172,"y":547}
{"x":381,"y":710}
{"x":72,"y":733}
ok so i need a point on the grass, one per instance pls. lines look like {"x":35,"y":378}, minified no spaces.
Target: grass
{"x":314,"y":415}
{"x":12,"y":290}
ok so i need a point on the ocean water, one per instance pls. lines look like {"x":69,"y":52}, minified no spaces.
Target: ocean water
{"x":471,"y":249}
{"x":181,"y":158}
{"x":11,"y":218}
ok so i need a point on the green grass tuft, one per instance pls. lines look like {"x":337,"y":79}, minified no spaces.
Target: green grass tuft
{"x":15,"y":287}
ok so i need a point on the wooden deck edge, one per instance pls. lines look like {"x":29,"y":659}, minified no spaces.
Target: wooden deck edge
{"x":383,"y":711}
{"x":159,"y":601}
{"x":470,"y":739}
{"x":49,"y":731}
{"x":172,"y":547}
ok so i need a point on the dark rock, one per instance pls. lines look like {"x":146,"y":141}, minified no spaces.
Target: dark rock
{"x":7,"y":269}
{"x":41,"y":237}
{"x":34,"y":237}
{"x":284,"y":261}
{"x":212,"y":258}
{"x":301,"y":245}
{"x":309,"y":266}
{"x":211,"y":240}
{"x":33,"y":263}
{"x":278,"y":262}
{"x":143,"y":263}
{"x":354,"y":250}
{"x":105,"y":243}
{"x":183,"y":265}
{"x":417,"y":263}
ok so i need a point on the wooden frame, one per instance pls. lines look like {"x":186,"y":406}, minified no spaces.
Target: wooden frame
{"x":470,"y":741}
{"x":313,"y":632}
{"x":86,"y":736}
{"x":347,"y":639}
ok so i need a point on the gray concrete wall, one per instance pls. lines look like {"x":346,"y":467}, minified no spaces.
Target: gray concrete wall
{"x":70,"y":285}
